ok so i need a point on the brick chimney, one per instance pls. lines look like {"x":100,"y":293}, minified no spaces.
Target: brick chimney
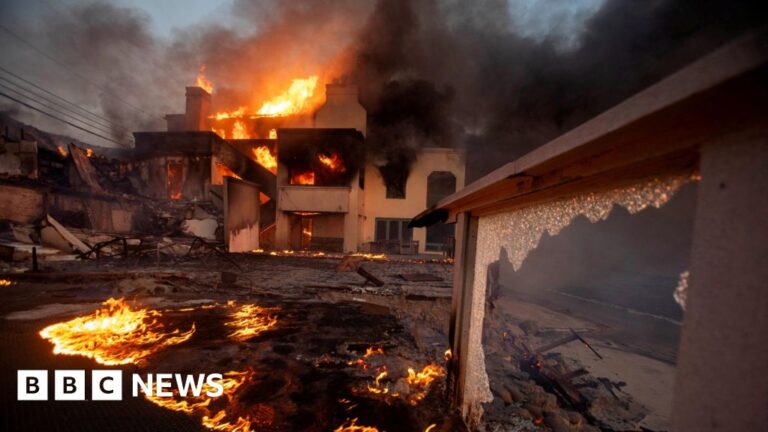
{"x":198,"y":109}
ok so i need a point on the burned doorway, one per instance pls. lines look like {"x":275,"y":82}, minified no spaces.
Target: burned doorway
{"x":175,"y":182}
{"x":583,"y":307}
{"x":440,"y":184}
{"x":317,"y":231}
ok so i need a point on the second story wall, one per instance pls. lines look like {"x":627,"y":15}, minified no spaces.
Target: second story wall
{"x":431,"y":161}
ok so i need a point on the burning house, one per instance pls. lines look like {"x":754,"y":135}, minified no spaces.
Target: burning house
{"x":319,"y":189}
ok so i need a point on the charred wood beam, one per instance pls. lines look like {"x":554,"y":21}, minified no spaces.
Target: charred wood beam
{"x":369,"y":277}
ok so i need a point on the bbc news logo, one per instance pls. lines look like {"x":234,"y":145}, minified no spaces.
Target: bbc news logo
{"x":107,"y":385}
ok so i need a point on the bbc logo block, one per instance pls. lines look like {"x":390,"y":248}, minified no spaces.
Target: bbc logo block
{"x":32,"y":385}
{"x":106,"y":385}
{"x":69,"y":385}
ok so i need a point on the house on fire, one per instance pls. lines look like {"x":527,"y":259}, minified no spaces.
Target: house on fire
{"x":310,"y":180}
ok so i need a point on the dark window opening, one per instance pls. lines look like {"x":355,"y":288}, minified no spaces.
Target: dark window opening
{"x":440,"y":184}
{"x":393,"y":230}
{"x":395,"y":178}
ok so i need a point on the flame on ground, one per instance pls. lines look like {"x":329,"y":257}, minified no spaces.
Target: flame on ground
{"x":5,"y":282}
{"x":265,"y":158}
{"x":202,"y":81}
{"x":249,"y":320}
{"x":419,"y":382}
{"x":292,"y":101}
{"x":114,"y":334}
{"x":352,"y":426}
{"x":205,"y":406}
{"x":365,"y":256}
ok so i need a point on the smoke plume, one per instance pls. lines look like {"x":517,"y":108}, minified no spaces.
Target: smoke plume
{"x":497,"y":77}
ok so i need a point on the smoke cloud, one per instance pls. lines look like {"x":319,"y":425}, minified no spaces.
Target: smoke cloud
{"x":498,"y":77}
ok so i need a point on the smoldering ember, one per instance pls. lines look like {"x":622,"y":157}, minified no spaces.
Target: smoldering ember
{"x":384,"y":215}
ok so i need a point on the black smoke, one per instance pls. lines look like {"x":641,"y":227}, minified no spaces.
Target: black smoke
{"x":500,"y":93}
{"x":463,"y":73}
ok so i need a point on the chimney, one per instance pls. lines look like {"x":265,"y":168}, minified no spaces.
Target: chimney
{"x":198,"y":109}
{"x":341,"y":109}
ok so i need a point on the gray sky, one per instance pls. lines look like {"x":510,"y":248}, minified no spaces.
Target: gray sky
{"x":169,"y":14}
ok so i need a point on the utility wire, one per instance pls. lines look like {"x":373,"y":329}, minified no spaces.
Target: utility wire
{"x":60,"y":119}
{"x":64,"y":113}
{"x":95,"y":116}
{"x":42,"y":100}
{"x":64,"y":65}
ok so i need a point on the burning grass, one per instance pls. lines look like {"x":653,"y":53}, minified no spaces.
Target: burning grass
{"x":116,"y":334}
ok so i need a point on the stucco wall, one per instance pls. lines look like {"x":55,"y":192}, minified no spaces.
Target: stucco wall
{"x":376,"y":204}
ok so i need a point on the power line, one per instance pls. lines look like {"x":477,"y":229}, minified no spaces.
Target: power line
{"x":66,"y":66}
{"x":25,"y":92}
{"x":95,"y":116}
{"x":66,"y":114}
{"x":60,"y":119}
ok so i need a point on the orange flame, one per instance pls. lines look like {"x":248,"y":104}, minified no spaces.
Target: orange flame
{"x":273,"y":134}
{"x":265,"y":158}
{"x":305,"y":178}
{"x":62,"y":151}
{"x":114,"y":334}
{"x":238,"y":113}
{"x":221,"y":172}
{"x":378,"y":388}
{"x":239,"y":130}
{"x":292,"y":101}
{"x":352,"y":426}
{"x":220,"y":132}
{"x":89,"y":152}
{"x":373,"y":351}
{"x":333,"y":162}
{"x":419,"y":382}
{"x":220,"y":421}
{"x":248,"y":321}
{"x":202,"y":81}
{"x":5,"y":282}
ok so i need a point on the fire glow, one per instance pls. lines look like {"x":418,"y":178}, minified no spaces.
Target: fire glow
{"x":116,"y":334}
{"x":292,"y":101}
{"x":296,"y":99}
{"x":265,"y":158}
{"x":202,"y":81}
{"x":217,"y":413}
{"x":332,"y":162}
{"x":249,"y":321}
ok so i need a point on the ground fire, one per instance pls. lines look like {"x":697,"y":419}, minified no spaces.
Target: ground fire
{"x":115,"y":334}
